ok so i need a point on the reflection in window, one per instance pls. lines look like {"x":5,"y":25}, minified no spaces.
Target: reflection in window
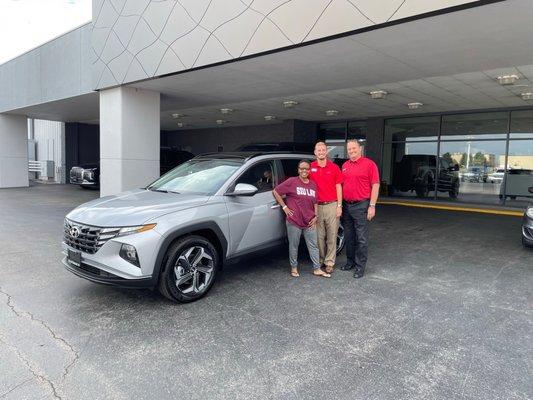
{"x":520,"y":172}
{"x":491,"y":125}
{"x":412,"y":129}
{"x":522,"y":124}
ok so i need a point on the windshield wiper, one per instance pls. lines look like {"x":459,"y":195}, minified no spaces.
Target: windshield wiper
{"x":159,"y":190}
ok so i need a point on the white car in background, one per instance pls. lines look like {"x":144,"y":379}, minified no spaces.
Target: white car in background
{"x":496,"y":176}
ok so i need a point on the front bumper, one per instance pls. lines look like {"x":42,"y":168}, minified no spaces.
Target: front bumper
{"x":107,"y":267}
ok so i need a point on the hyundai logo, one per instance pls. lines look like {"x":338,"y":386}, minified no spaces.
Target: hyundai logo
{"x":74,"y":231}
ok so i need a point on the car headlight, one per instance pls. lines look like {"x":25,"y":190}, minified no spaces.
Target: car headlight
{"x":128,"y":230}
{"x":529,"y":212}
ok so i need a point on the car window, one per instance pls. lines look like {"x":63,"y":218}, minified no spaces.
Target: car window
{"x":261,"y":175}
{"x":444,"y":164}
{"x":290,"y":167}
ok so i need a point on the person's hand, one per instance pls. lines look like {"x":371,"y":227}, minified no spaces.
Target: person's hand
{"x":371,"y":213}
{"x":288,"y":212}
{"x":312,"y":223}
{"x":339,"y":212}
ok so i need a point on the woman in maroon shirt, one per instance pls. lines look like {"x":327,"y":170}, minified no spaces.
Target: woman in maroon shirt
{"x":300,"y":207}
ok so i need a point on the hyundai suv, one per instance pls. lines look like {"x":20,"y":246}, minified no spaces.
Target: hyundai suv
{"x":178,"y":232}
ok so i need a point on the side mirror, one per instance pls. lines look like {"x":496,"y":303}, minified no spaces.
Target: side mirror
{"x":243,"y":189}
{"x":530,"y":189}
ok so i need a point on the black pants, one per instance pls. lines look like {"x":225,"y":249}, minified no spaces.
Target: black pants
{"x":355,"y":223}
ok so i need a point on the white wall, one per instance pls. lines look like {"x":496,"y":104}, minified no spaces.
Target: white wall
{"x":13,"y":151}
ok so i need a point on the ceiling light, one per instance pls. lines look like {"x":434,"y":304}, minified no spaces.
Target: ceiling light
{"x":270,"y":117}
{"x":289,"y":103}
{"x":226,"y":110}
{"x":177,"y":115}
{"x":221,"y":121}
{"x":332,"y":113}
{"x":181,"y":124}
{"x":378,"y":94}
{"x":414,"y":105}
{"x":507,"y":79}
{"x":527,"y":96}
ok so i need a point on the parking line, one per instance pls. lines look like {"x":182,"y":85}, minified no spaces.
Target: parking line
{"x":453,"y":208}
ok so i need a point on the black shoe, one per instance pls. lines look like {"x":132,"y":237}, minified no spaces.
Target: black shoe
{"x":347,"y":267}
{"x":358,"y":273}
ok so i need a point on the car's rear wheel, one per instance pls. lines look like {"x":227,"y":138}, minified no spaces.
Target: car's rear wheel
{"x":340,"y":238}
{"x":455,"y":191}
{"x":422,"y":191}
{"x":191,"y":266}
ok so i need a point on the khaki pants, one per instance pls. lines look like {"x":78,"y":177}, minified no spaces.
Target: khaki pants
{"x":327,"y":228}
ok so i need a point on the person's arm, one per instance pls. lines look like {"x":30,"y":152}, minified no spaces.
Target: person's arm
{"x":338,"y":187}
{"x":373,"y":199}
{"x":312,"y":223}
{"x":280,"y":201}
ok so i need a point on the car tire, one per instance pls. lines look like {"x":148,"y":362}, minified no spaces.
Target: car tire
{"x":526,"y":244}
{"x":190,"y":269}
{"x":454,"y":192}
{"x":341,"y":240}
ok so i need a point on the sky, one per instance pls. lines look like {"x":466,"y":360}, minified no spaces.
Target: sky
{"x":26,"y":24}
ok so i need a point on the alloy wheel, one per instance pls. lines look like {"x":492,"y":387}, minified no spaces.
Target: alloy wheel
{"x":194,"y":270}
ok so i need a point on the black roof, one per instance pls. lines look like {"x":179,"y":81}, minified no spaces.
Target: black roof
{"x":243,"y":155}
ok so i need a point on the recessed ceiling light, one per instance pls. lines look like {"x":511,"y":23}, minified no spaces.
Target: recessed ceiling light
{"x":177,"y":115}
{"x":332,"y":113}
{"x":507,"y":79}
{"x":181,"y":124}
{"x":414,"y":105}
{"x":378,"y":94}
{"x":226,"y":110}
{"x":270,"y":117}
{"x":221,"y":121}
{"x":527,"y":96}
{"x":290,"y":103}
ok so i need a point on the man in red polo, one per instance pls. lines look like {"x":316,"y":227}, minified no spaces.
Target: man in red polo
{"x":328,"y":179}
{"x":360,"y":193}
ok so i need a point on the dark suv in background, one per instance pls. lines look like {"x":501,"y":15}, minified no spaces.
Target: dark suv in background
{"x":88,"y":175}
{"x":417,"y":172}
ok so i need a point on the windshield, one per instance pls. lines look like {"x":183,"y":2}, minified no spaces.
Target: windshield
{"x":197,"y":176}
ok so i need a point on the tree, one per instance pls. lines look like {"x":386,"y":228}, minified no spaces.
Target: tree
{"x":448,"y":157}
{"x":479,"y":159}
{"x":463,"y":160}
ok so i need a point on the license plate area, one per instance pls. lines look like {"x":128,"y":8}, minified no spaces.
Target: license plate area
{"x":74,"y":257}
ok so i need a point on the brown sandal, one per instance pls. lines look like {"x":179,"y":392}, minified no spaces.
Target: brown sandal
{"x":321,"y":274}
{"x":295,"y":273}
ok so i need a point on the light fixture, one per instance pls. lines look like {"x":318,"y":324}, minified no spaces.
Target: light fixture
{"x":414,"y":105}
{"x":290,"y":103}
{"x":378,"y":94}
{"x":180,"y":124}
{"x":221,"y":121}
{"x":226,"y":110}
{"x":527,"y":96}
{"x":332,"y":113}
{"x":177,"y":115}
{"x":270,"y":117}
{"x":507,"y":79}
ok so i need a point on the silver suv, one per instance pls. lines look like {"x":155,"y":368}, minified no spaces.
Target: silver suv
{"x":179,"y":231}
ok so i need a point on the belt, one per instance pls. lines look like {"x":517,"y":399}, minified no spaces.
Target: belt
{"x":323,"y":203}
{"x":355,"y":201}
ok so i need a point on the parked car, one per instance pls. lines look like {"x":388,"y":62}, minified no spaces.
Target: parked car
{"x":496,"y":176}
{"x":516,"y":183}
{"x":178,"y":232}
{"x":474,"y":174}
{"x":417,"y":172}
{"x":527,"y":224}
{"x":88,"y":176}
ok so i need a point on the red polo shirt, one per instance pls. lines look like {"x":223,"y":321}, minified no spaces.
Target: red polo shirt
{"x":359,"y":176}
{"x":326,"y":178}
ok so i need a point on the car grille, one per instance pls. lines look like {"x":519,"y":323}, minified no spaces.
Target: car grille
{"x":76,"y":175}
{"x":86,"y":238}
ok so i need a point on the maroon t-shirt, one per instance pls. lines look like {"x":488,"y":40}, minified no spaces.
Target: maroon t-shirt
{"x":300,"y":198}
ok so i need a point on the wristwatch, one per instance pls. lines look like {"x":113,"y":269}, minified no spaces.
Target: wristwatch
{"x":339,"y":204}
{"x":372,"y":205}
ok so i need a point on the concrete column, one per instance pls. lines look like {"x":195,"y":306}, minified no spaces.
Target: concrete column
{"x":129,"y":139}
{"x":13,"y":151}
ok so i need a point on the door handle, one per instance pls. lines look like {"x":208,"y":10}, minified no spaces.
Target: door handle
{"x":275,"y":205}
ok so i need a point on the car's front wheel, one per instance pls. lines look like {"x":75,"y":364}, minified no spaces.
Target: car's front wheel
{"x":340,"y":238}
{"x":191,"y":266}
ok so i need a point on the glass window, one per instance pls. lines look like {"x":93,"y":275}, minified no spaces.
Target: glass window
{"x":357,"y":130}
{"x":519,"y":177}
{"x":333,"y":131}
{"x":197,"y":176}
{"x":412,"y":129}
{"x":522,"y":124}
{"x":468,"y":170}
{"x":409,"y":169}
{"x":260,"y":175}
{"x":492,"y":125}
{"x":290,"y":167}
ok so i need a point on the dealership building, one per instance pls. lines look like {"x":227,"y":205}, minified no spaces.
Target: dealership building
{"x":440,"y":92}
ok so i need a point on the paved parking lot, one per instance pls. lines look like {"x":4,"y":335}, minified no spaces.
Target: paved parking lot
{"x":445,"y":312}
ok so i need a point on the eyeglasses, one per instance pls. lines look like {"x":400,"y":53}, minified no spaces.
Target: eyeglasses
{"x":303,"y":169}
